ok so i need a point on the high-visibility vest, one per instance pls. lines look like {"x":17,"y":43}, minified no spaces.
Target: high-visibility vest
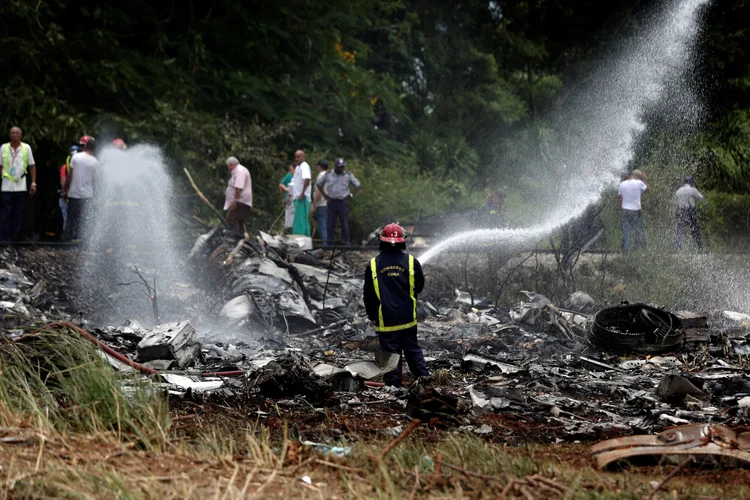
{"x":6,"y":160}
{"x":380,"y":326}
{"x":67,"y":165}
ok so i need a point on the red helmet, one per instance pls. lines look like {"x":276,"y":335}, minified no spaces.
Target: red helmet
{"x":119,"y":144}
{"x":393,"y":233}
{"x":85,"y":139}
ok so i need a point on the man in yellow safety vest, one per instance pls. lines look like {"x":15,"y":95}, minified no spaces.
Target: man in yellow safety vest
{"x":17,"y":162}
{"x":392,"y":282}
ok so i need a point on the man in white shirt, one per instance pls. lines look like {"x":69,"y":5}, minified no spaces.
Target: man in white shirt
{"x":17,"y":162}
{"x":301,"y":194}
{"x":686,"y":216}
{"x":630,"y":192}
{"x":239,"y":195}
{"x":79,"y":185}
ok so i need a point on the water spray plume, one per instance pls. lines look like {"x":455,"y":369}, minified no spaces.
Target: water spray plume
{"x":601,"y":123}
{"x":130,"y":235}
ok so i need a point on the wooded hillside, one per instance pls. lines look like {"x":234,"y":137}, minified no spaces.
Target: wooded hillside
{"x":425,"y":98}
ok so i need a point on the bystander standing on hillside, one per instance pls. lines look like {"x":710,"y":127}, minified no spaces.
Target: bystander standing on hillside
{"x":17,"y":162}
{"x":285,"y":190}
{"x":686,"y":216}
{"x":79,"y":186}
{"x":239,"y":195}
{"x":336,"y":185}
{"x":301,"y":194}
{"x":64,"y":169}
{"x":631,"y":215}
{"x":320,"y":204}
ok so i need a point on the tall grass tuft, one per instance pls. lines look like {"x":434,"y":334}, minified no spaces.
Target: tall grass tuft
{"x":56,"y":381}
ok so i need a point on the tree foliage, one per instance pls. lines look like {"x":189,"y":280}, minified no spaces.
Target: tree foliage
{"x":439,"y":91}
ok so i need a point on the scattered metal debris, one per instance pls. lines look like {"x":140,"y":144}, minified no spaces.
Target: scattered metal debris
{"x":171,"y":341}
{"x":289,"y":326}
{"x":636,"y":328}
{"x":697,"y":440}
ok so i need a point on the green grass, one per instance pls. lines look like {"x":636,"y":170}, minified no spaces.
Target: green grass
{"x":240,"y":462}
{"x":54,"y":380}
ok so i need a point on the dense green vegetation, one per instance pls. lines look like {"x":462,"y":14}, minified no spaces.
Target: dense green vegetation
{"x":427,"y":97}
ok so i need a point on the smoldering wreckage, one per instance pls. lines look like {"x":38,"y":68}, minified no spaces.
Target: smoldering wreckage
{"x":657,"y":383}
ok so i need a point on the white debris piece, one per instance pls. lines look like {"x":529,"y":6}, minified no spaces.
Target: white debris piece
{"x":579,"y":301}
{"x":736,"y":316}
{"x":238,"y":308}
{"x":176,"y":341}
{"x":197,"y":385}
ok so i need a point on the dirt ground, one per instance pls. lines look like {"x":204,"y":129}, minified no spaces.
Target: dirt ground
{"x":217,"y":452}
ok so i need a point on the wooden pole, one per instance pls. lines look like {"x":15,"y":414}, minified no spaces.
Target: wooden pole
{"x":205,"y":200}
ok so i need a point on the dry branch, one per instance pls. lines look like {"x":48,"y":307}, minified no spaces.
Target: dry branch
{"x":670,"y":476}
{"x":468,"y":472}
{"x":413,"y":425}
{"x":205,"y":200}
{"x":150,"y":291}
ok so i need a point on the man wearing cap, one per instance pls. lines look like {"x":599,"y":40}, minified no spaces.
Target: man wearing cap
{"x":239,"y":195}
{"x":393,"y":280}
{"x":17,"y":162}
{"x":79,"y":187}
{"x":631,"y":216}
{"x":686,"y":216}
{"x":338,"y":195}
{"x":320,"y":204}
{"x":301,"y":194}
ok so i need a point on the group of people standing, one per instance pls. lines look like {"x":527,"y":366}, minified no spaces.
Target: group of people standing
{"x":631,"y":215}
{"x":330,"y":204}
{"x":76,"y":179}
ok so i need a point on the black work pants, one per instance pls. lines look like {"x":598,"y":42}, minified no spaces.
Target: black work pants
{"x":11,"y":215}
{"x":687,"y":218}
{"x":78,"y":218}
{"x":338,"y":209}
{"x":403,"y":342}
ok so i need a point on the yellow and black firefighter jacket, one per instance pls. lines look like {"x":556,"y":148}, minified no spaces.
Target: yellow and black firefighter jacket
{"x":392,"y":281}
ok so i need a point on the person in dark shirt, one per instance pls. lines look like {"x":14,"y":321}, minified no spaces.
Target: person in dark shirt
{"x":393,"y":280}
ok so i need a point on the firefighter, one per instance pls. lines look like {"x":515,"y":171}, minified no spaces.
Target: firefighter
{"x":392,"y":282}
{"x":119,"y":144}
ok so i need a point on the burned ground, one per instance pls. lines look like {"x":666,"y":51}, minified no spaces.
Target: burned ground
{"x":521,"y":382}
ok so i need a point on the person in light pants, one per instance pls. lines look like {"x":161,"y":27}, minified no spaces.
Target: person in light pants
{"x":631,"y":215}
{"x":320,"y":204}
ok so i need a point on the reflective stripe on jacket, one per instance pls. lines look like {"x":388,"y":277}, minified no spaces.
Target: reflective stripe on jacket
{"x":392,"y":282}
{"x":6,"y":160}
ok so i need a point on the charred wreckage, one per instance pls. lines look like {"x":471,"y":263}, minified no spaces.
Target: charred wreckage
{"x":658,"y":382}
